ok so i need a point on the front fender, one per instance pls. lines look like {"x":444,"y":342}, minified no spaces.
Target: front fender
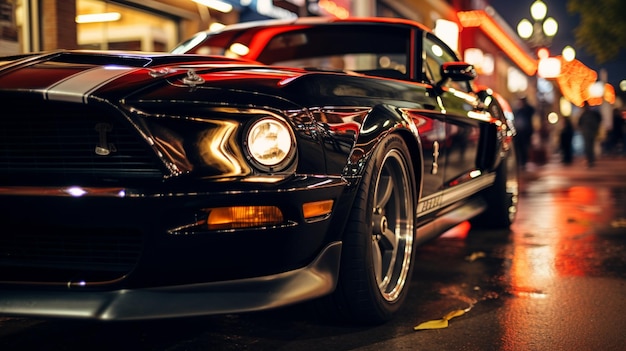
{"x":367,"y":129}
{"x":381,"y":121}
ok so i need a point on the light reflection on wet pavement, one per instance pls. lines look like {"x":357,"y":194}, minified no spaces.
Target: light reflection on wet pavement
{"x":567,"y":262}
{"x":555,"y":282}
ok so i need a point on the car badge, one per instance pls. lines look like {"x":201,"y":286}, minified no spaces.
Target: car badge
{"x":435,"y":168}
{"x":192,"y":79}
{"x":103,"y":148}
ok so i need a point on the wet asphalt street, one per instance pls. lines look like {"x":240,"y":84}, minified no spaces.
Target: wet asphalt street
{"x":556,"y":281}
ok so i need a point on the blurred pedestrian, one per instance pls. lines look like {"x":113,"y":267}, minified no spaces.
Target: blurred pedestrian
{"x":524,"y":127}
{"x":589,"y":124}
{"x":565,"y":141}
{"x":616,"y":136}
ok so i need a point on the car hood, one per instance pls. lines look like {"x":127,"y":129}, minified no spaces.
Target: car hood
{"x":79,"y":76}
{"x":143,"y":114}
{"x":167,"y":106}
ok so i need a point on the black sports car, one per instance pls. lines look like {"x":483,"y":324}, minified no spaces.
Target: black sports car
{"x":305,"y":164}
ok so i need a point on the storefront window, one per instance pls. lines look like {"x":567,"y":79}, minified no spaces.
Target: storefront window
{"x":103,"y":25}
{"x":13,"y":27}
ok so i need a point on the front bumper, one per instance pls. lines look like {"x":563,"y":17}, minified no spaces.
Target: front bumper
{"x":244,"y":295}
{"x":109,"y":245}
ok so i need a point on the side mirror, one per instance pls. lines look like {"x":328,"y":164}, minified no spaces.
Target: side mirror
{"x":457,"y":72}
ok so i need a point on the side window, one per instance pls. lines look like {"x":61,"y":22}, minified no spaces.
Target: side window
{"x":435,"y":54}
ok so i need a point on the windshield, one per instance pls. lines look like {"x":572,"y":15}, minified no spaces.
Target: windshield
{"x":359,"y":47}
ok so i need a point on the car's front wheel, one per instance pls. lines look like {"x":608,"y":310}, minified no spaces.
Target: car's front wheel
{"x":378,"y":250}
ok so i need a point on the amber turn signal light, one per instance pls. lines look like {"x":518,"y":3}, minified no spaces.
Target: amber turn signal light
{"x":317,"y":209}
{"x":237,"y":217}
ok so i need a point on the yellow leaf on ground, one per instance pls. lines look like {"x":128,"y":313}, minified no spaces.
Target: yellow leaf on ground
{"x":436,"y":324}
{"x":456,"y":313}
{"x":440,"y":323}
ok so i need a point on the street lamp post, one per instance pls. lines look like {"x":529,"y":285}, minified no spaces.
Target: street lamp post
{"x":539,"y":34}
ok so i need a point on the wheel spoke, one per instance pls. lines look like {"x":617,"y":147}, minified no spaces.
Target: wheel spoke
{"x":377,"y":260}
{"x":385,"y":240}
{"x":388,"y":248}
{"x":388,"y":240}
{"x":384,"y":190}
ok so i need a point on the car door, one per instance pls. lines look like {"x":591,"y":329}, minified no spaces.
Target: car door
{"x":464,"y":120}
{"x":429,"y":118}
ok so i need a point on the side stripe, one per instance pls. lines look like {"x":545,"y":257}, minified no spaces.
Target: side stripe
{"x":77,"y":87}
{"x":445,"y":198}
{"x":467,"y":189}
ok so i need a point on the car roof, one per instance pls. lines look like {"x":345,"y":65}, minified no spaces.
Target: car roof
{"x":322,"y":20}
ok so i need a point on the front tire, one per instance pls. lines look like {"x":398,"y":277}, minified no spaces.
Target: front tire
{"x":378,"y":250}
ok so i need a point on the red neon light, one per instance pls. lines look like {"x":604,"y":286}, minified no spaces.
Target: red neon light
{"x":480,"y":19}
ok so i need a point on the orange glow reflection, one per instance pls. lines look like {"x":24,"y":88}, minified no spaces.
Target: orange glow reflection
{"x":561,"y":234}
{"x":553,"y":247}
{"x":458,"y":232}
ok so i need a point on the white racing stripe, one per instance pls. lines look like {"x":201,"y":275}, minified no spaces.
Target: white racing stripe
{"x":77,"y":87}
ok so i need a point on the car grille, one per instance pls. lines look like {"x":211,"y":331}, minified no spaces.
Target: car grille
{"x":58,"y":141}
{"x":61,"y":255}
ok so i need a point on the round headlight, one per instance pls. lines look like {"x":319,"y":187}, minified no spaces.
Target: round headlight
{"x":271,"y":143}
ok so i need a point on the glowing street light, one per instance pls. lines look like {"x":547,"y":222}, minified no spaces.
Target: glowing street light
{"x":542,"y":30}
{"x":525,"y":28}
{"x":550,"y":27}
{"x":568,"y":53}
{"x":538,"y":10}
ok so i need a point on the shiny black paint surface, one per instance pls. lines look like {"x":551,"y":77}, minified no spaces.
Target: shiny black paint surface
{"x":160,"y":139}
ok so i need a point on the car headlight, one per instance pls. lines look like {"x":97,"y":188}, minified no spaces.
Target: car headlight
{"x":270,"y":144}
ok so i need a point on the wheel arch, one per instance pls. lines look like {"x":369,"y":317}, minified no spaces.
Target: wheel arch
{"x":417,"y":161}
{"x":382,"y":121}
